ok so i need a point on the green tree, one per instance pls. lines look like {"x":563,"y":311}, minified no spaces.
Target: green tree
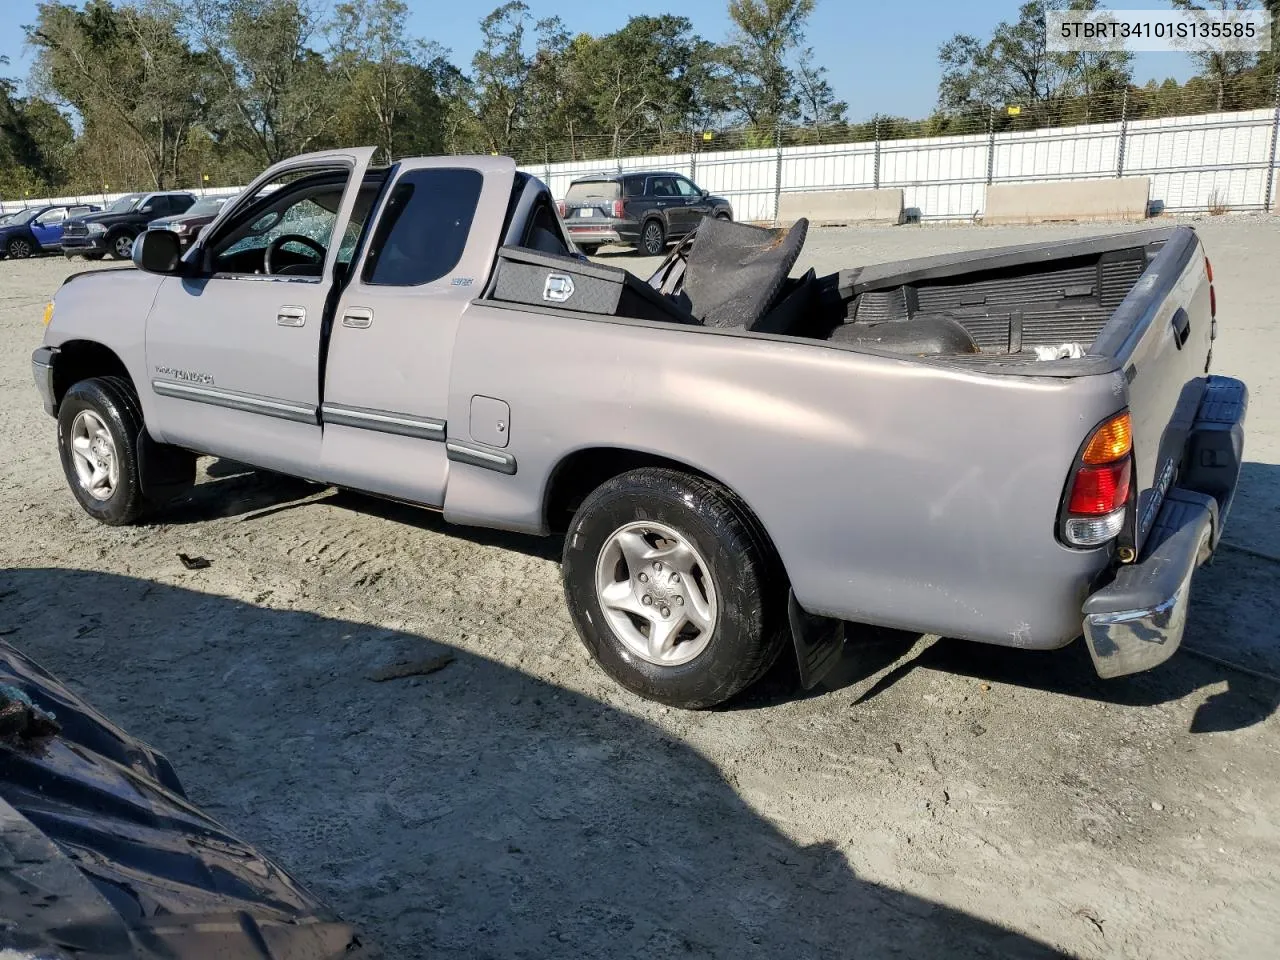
{"x":1225,"y":69}
{"x":126,"y":68}
{"x":766,"y":34}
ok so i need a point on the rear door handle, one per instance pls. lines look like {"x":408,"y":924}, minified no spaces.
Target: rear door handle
{"x":359,"y":318}
{"x":291,"y":316}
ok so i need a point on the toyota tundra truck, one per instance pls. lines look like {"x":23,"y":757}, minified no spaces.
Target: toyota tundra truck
{"x":1018,"y":446}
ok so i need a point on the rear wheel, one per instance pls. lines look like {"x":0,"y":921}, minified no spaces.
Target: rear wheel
{"x":98,"y":425}
{"x":723,"y":216}
{"x":18,"y":248}
{"x":672,"y":587}
{"x":121,"y":246}
{"x":653,"y":238}
{"x":589,"y":249}
{"x":92,"y":256}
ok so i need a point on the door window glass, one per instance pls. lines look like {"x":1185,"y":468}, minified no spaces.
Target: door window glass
{"x":686,"y":188}
{"x":662,"y":186}
{"x":422,"y":231}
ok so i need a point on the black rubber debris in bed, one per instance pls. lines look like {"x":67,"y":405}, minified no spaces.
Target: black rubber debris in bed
{"x":102,"y":856}
{"x":736,"y":271}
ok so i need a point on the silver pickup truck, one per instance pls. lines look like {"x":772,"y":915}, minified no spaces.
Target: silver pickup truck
{"x":1017,"y":446}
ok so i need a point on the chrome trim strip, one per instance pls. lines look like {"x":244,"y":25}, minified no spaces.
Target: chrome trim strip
{"x":424,"y":428}
{"x":476,"y":457}
{"x":246,"y":402}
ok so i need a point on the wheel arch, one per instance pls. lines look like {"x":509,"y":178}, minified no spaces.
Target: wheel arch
{"x":78,"y":360}
{"x":580,"y":472}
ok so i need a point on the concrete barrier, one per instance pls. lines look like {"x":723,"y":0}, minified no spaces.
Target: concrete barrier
{"x":1120,"y":198}
{"x":841,"y":207}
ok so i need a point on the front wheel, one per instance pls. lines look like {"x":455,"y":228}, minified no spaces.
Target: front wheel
{"x":121,"y":246}
{"x":672,"y":588}
{"x":18,"y":249}
{"x":98,"y":425}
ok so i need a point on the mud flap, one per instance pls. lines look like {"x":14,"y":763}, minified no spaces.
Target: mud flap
{"x":818,"y":641}
{"x":166,"y":472}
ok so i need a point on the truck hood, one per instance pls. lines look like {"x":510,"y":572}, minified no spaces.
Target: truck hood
{"x":102,"y":856}
{"x":108,"y":219}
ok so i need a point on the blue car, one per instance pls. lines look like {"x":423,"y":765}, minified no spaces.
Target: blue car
{"x":38,"y":229}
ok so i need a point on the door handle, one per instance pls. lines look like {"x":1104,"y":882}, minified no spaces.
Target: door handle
{"x":291,"y":316}
{"x":358,"y":318}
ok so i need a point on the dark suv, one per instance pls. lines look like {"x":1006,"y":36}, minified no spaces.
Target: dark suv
{"x":113,"y":230}
{"x":646,"y":210}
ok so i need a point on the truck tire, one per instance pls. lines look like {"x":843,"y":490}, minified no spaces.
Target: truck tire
{"x":92,"y":256}
{"x":120,"y":245}
{"x":18,"y":249}
{"x":589,"y":249}
{"x":673,"y":588}
{"x":653,"y":238}
{"x":98,"y":425}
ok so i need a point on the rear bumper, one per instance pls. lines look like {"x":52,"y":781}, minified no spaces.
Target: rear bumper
{"x":42,"y":371}
{"x":602,"y":231}
{"x":1137,"y":621}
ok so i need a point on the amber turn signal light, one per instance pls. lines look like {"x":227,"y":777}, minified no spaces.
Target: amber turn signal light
{"x":1111,"y":441}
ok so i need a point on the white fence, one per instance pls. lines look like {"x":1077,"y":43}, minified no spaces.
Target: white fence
{"x":1196,"y":162}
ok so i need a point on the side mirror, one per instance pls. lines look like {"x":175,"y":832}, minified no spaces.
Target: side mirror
{"x":705,"y":193}
{"x":157,"y":251}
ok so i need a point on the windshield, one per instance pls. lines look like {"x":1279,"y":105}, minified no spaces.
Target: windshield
{"x":26,"y":216}
{"x":593,"y":190}
{"x":205,"y":208}
{"x":125,"y":203}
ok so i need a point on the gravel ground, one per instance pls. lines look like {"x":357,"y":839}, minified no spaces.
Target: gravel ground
{"x":933,"y":798}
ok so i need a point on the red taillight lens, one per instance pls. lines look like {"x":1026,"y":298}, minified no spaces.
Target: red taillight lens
{"x":1213,"y":297}
{"x":618,"y":211}
{"x":560,"y":206}
{"x":1099,"y":490}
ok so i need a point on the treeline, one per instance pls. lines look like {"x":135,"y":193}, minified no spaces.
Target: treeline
{"x":128,"y":94}
{"x":166,"y":93}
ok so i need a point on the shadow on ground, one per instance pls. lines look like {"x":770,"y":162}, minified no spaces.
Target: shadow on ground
{"x":475,"y":812}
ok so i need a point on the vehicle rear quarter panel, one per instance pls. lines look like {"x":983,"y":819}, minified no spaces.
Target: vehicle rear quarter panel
{"x":897,"y":493}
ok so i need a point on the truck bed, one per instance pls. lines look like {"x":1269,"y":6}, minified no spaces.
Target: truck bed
{"x":1009,"y":301}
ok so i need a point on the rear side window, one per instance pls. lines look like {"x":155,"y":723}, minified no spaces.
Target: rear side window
{"x":635,"y":186}
{"x":593,"y":190}
{"x":423,"y":228}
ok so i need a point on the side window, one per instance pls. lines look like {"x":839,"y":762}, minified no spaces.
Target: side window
{"x":686,"y":188}
{"x":662,"y":186}
{"x":180,"y":203}
{"x":56,"y":215}
{"x":152,"y":205}
{"x":294,"y":214}
{"x":634,"y":186}
{"x":423,"y":229}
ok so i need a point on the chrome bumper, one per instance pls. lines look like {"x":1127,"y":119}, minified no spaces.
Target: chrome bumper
{"x":1137,"y":621}
{"x":42,"y":371}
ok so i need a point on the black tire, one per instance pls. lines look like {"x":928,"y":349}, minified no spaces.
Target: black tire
{"x":749,"y":630}
{"x":19,"y":248}
{"x":92,"y":256}
{"x":589,"y":249}
{"x":723,"y":216}
{"x":116,"y":245}
{"x":653,"y":238}
{"x":113,"y":401}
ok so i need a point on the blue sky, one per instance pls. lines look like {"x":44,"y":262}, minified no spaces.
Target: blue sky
{"x":882,"y":56}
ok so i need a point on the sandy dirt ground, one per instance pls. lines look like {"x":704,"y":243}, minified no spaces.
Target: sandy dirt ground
{"x":931,"y":799}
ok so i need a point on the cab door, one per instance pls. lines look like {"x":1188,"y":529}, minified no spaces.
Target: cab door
{"x":233,"y":342}
{"x":47,"y":228}
{"x":386,"y":382}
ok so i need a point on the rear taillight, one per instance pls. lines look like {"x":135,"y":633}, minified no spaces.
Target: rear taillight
{"x":618,"y":210}
{"x":1097,"y":498}
{"x":560,"y":206}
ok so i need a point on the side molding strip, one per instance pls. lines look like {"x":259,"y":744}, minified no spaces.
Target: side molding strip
{"x":424,"y":428}
{"x":247,"y":402}
{"x":477,"y":457}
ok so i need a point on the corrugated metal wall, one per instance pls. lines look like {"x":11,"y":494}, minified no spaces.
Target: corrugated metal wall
{"x":1194,"y":163}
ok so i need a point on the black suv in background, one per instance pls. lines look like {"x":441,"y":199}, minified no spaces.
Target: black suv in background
{"x":113,"y":230}
{"x":645,"y":210}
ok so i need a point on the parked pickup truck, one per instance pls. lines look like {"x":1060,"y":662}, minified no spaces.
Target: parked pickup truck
{"x":1016,"y":446}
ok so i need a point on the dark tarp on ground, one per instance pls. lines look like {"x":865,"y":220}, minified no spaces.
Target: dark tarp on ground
{"x":101,"y":855}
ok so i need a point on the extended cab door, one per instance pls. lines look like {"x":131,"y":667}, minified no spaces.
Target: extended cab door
{"x":233,"y":343}
{"x":386,"y":382}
